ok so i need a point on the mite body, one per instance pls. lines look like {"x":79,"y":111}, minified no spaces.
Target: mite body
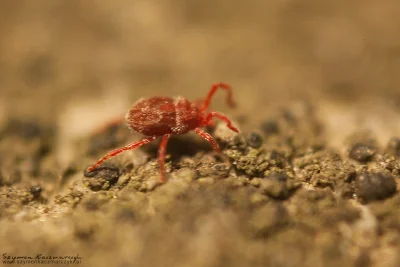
{"x":164,"y":116}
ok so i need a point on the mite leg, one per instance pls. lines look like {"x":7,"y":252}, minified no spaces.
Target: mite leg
{"x":209,"y":138}
{"x":199,"y":103}
{"x":221,"y":117}
{"x":120,"y":150}
{"x":211,"y":123}
{"x":213,"y":89}
{"x":161,"y":155}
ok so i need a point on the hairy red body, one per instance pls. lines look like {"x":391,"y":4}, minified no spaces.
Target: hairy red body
{"x":164,"y":116}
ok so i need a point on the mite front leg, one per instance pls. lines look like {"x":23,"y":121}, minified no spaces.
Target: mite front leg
{"x":221,"y":117}
{"x":209,"y":138}
{"x":117,"y":151}
{"x":213,"y":89}
{"x":161,"y":156}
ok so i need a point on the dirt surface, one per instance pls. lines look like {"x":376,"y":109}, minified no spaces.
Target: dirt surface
{"x":311,"y":180}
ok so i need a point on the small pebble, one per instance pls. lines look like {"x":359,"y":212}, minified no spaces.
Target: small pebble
{"x":374,"y":186}
{"x":35,"y":191}
{"x":362,"y":152}
{"x":101,"y":178}
{"x":254,"y":140}
{"x":109,"y":173}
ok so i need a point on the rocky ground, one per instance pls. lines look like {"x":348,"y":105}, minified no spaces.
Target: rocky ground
{"x":312,"y":179}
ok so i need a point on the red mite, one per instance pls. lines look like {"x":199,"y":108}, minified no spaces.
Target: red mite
{"x":164,"y":116}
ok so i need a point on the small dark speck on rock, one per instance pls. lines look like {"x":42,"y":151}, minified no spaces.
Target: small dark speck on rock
{"x":362,"y":152}
{"x":254,"y":140}
{"x":35,"y":191}
{"x":374,"y":186}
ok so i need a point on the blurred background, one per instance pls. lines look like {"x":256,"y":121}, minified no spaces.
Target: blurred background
{"x":93,"y":59}
{"x":72,"y":65}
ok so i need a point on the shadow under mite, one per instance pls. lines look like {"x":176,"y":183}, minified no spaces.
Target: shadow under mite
{"x":178,"y":146}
